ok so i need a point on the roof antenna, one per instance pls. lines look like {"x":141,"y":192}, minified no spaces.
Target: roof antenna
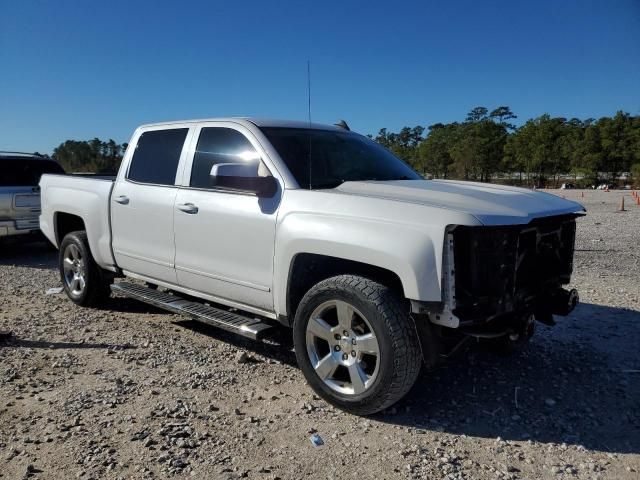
{"x":309,"y":113}
{"x":343,"y":125}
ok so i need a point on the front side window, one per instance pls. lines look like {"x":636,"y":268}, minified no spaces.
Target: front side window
{"x":156,"y":157}
{"x":220,"y":145}
{"x":327,"y":158}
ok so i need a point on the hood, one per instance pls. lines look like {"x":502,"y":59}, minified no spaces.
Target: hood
{"x":490,"y":204}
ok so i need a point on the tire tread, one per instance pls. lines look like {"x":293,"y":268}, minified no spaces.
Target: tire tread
{"x":401,"y":328}
{"x":98,"y":282}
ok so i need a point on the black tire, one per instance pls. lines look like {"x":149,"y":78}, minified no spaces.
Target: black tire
{"x":399,"y":360}
{"x":96,"y":281}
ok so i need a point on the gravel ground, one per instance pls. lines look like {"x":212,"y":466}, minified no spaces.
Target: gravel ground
{"x":133,"y":392}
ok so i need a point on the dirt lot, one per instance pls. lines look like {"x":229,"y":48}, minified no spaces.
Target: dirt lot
{"x":132,"y":392}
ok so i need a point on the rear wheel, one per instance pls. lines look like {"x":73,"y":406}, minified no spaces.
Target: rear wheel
{"x":84,"y":282}
{"x":356,"y":344}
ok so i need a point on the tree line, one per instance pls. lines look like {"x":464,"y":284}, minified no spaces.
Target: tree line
{"x":92,"y":156}
{"x":487,"y":146}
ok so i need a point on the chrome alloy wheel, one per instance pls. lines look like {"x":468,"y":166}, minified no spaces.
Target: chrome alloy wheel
{"x":342,"y":347}
{"x":74,"y":269}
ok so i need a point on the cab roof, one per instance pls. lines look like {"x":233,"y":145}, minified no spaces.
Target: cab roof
{"x":259,"y":122}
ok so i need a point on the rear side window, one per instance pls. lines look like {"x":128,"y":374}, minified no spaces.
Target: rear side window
{"x":157,"y":155}
{"x":219,"y":145}
{"x":25,"y":172}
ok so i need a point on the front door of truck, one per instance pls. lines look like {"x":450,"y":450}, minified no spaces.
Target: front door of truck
{"x":225,"y":239}
{"x":142,"y":205}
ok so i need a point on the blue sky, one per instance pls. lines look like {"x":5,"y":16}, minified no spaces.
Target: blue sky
{"x":80,"y":69}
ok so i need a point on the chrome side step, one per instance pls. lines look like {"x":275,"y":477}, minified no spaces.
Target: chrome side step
{"x":246,"y":326}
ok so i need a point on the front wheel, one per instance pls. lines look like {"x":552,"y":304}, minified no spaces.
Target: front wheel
{"x":84,"y":282}
{"x":356,"y":344}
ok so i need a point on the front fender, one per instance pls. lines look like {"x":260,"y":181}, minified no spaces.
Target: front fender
{"x":412,"y":252}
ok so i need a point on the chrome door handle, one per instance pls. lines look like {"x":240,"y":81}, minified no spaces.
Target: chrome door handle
{"x":123,"y":199}
{"x":188,"y":208}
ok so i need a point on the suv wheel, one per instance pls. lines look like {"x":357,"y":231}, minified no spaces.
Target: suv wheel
{"x":356,"y":344}
{"x":84,"y":282}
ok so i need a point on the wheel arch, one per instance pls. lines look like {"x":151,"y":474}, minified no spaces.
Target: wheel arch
{"x":308,"y":269}
{"x":399,"y":253}
{"x":65,"y":223}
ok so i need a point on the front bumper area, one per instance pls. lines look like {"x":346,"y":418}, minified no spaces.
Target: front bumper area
{"x":513,"y":269}
{"x":500,"y":274}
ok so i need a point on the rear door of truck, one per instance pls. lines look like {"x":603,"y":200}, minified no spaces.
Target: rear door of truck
{"x":142,"y":203}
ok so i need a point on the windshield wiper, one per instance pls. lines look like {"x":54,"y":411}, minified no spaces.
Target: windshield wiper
{"x":332,"y":184}
{"x":403,"y":177}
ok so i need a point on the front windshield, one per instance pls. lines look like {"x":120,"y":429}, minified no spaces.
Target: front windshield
{"x":336,"y":157}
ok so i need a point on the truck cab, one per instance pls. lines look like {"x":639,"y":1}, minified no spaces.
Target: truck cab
{"x":172,"y":224}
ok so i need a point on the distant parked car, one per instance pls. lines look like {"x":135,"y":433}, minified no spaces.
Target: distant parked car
{"x":567,"y":186}
{"x":19,"y":191}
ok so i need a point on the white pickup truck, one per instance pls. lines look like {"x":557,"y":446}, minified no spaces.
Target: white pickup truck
{"x":247,"y":223}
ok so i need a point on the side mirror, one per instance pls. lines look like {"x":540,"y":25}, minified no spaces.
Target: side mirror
{"x":243,"y":177}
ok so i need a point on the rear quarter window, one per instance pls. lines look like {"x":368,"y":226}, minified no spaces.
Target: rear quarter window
{"x":156,"y":157}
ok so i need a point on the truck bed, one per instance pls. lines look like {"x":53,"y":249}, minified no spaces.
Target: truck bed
{"x":83,"y":196}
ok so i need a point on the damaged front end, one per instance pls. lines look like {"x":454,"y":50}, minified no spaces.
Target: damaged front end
{"x":514,"y":271}
{"x":497,"y":277}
